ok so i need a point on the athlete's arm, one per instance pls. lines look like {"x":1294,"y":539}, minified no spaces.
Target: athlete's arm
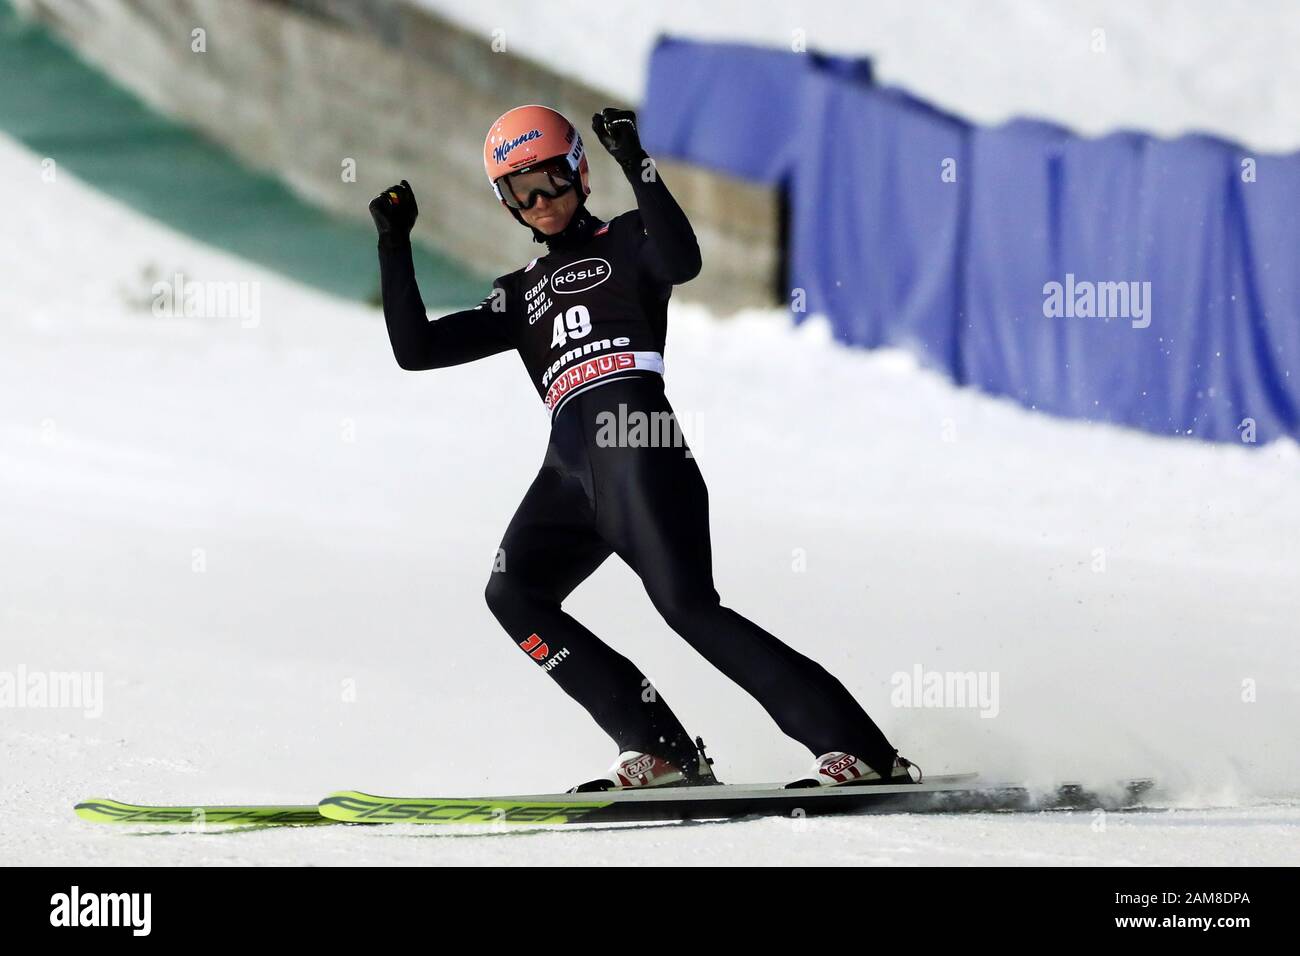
{"x":453,"y":339}
{"x":670,"y":252}
{"x":418,"y":343}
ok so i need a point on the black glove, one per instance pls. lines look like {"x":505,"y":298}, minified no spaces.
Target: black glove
{"x":394,"y":211}
{"x":616,"y":130}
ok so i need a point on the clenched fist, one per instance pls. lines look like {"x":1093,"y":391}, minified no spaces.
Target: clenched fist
{"x":616,"y":130}
{"x":394,"y":211}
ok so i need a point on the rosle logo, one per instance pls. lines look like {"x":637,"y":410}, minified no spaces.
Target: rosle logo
{"x":581,"y":275}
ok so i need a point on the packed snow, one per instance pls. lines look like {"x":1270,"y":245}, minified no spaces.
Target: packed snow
{"x":271,"y":543}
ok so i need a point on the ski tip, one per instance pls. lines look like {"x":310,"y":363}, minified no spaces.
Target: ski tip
{"x":341,"y":796}
{"x":99,"y":810}
{"x":357,"y":806}
{"x":107,"y":810}
{"x":338,"y":806}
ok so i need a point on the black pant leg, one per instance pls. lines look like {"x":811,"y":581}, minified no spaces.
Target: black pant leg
{"x":652,"y":507}
{"x":549,"y":548}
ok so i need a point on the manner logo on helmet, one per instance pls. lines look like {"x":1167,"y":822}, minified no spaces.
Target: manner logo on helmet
{"x":499,"y":153}
{"x":581,"y":275}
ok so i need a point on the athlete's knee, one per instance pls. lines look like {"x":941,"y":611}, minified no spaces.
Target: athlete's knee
{"x":503,"y":596}
{"x":509,"y":596}
{"x":682,"y":608}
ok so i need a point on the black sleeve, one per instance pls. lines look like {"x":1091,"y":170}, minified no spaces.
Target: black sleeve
{"x":670,"y":252}
{"x":450,"y":340}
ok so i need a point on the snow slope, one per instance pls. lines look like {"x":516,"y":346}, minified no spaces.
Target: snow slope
{"x":1166,"y":66}
{"x":346,"y":514}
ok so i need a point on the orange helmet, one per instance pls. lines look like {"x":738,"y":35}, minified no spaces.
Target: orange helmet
{"x":528,"y":136}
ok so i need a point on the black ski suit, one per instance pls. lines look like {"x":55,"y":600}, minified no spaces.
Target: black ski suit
{"x":588,"y":319}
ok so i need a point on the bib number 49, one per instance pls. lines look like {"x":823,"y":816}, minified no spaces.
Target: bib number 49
{"x":573,"y":323}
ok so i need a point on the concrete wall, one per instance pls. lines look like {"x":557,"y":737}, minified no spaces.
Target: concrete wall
{"x":301,"y":87}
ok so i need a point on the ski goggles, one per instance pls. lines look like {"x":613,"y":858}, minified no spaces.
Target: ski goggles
{"x":552,"y":179}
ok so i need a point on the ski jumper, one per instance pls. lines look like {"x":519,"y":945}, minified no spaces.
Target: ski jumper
{"x":588,"y":319}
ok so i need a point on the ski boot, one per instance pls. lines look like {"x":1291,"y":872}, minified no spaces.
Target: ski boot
{"x":836,"y":769}
{"x":634,"y":769}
